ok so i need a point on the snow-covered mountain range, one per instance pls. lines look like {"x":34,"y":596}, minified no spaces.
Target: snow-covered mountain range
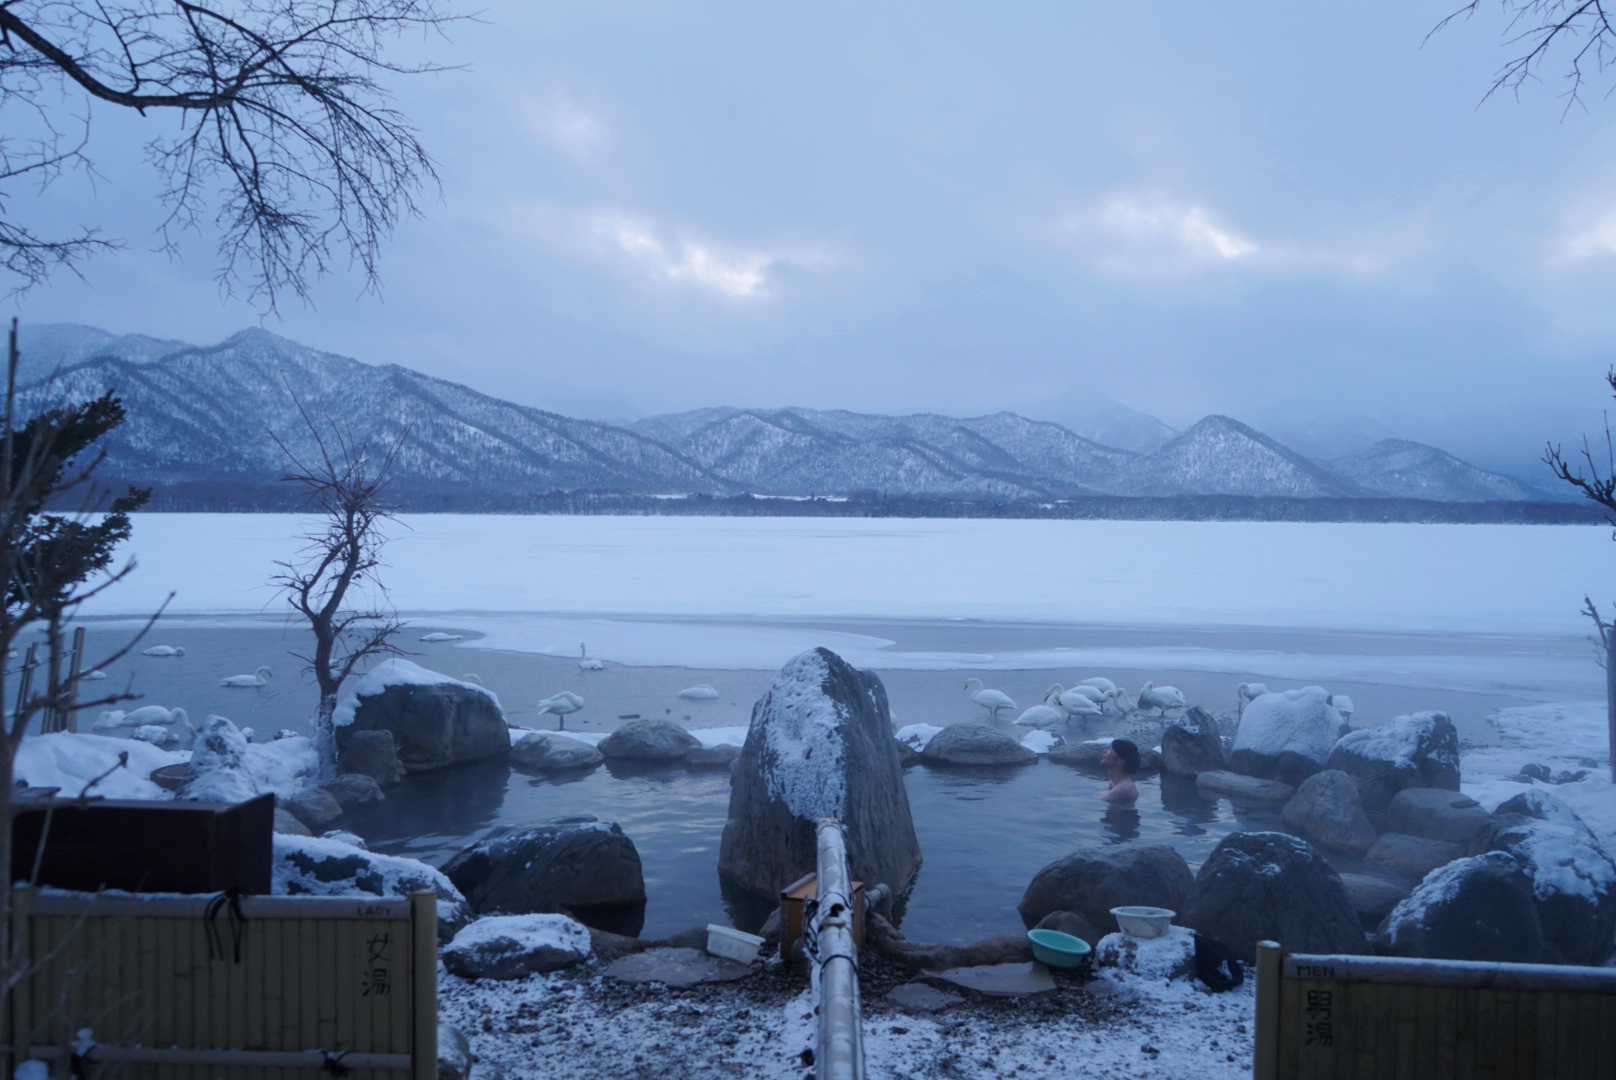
{"x":213,"y":414}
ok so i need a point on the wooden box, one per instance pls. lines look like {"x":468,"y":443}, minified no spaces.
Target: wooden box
{"x":794,"y":902}
{"x":142,"y":846}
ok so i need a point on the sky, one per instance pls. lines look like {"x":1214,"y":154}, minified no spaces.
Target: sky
{"x":1302,"y":216}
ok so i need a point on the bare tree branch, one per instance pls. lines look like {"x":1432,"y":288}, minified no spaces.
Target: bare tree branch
{"x":1579,"y":33}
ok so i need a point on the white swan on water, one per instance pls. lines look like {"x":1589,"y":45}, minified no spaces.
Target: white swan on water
{"x":439,"y":635}
{"x":991,"y":700}
{"x":587,"y":664}
{"x":699,"y":693}
{"x":91,"y":676}
{"x":1247,"y":692}
{"x":1342,"y":704}
{"x":1161,"y":698}
{"x":1075,"y":702}
{"x":1045,"y":715}
{"x":117,"y":719}
{"x":256,"y":679}
{"x":163,"y":650}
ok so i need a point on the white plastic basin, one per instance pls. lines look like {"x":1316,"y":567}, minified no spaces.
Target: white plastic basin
{"x":1143,"y":922}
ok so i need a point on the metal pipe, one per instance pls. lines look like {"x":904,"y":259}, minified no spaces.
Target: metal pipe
{"x":840,"y":1051}
{"x":273,"y":1059}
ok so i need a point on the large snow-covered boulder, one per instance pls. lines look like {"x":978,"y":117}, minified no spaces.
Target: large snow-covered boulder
{"x":321,"y":866}
{"x":1477,"y":908}
{"x":577,"y":864}
{"x":650,"y":741}
{"x":1414,"y":751}
{"x":820,"y":745}
{"x":315,"y":807}
{"x":975,"y":744}
{"x":1092,"y":881}
{"x":1191,"y":744}
{"x":218,"y":770}
{"x":516,"y":946}
{"x":70,"y":760}
{"x":1326,"y":808}
{"x":436,"y":721}
{"x":1287,"y":736}
{"x":1573,"y":879}
{"x":1271,"y":886}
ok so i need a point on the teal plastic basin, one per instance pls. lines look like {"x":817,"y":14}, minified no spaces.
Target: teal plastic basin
{"x":1056,"y":949}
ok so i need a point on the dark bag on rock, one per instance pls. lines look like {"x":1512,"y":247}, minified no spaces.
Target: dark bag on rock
{"x":1216,"y":966}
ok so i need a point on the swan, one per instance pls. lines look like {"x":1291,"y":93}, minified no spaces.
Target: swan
{"x":257,"y":678}
{"x":1076,"y":705}
{"x":91,"y":676}
{"x":1042,"y":716}
{"x":587,"y":664}
{"x":1247,"y":692}
{"x":472,"y":677}
{"x":561,"y":704}
{"x":163,"y":650}
{"x":1104,"y":685}
{"x":1342,"y":704}
{"x":439,"y":635}
{"x":991,"y":700}
{"x":1160,"y":698}
{"x":117,"y":719}
{"x":699,"y":693}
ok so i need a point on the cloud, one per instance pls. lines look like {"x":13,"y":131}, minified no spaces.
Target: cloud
{"x":576,"y":132}
{"x":1593,"y":241}
{"x":1190,"y":228}
{"x":673,"y":255}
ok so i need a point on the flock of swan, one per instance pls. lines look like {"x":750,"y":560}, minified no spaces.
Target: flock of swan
{"x":1087,"y":700}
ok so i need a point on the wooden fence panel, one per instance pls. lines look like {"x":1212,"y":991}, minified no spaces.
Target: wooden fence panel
{"x":1375,"y":1018}
{"x":172,"y":989}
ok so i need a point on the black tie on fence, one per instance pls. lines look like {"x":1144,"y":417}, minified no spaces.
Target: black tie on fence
{"x":229,"y":901}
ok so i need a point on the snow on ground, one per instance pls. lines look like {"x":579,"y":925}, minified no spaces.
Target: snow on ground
{"x":1568,"y":736}
{"x":1042,"y":742}
{"x":69,"y":760}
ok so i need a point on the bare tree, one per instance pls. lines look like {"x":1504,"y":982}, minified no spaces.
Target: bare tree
{"x":1595,"y":480}
{"x":47,"y":561}
{"x":1577,"y":35}
{"x":286,"y":138}
{"x":346,"y":486}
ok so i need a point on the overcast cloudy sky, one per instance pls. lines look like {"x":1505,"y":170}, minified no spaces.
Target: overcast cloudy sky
{"x":1295,"y":214}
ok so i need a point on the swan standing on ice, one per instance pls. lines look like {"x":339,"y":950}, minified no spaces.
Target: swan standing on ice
{"x":438,"y":635}
{"x":587,"y":664}
{"x":1247,"y":692}
{"x":1342,"y":704}
{"x":163,"y":650}
{"x":1161,"y":698}
{"x":256,"y":679}
{"x":560,"y":706}
{"x":991,"y":700}
{"x":699,"y":693}
{"x":1045,"y":715}
{"x":1075,"y":702}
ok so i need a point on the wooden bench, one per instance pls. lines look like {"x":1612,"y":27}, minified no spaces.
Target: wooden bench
{"x":1379,"y":1018}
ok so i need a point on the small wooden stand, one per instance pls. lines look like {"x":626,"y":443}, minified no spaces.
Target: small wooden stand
{"x":794,"y":902}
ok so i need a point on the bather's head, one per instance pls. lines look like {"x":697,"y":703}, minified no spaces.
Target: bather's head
{"x":1126,"y":752}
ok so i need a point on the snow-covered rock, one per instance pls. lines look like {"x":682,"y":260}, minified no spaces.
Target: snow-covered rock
{"x":516,"y":946}
{"x":218,"y":769}
{"x":1042,"y":742}
{"x":1287,"y":736}
{"x":372,"y":754}
{"x":1092,"y":881}
{"x":1271,"y":886}
{"x":975,"y":744}
{"x":1477,"y":908}
{"x":1573,"y":878}
{"x":1190,"y":745}
{"x":1417,"y":750}
{"x":916,"y":736}
{"x":570,"y":864}
{"x":1121,"y":957}
{"x":354,"y":791}
{"x":69,"y":760}
{"x":648,"y":741}
{"x":820,"y":745}
{"x":436,"y":721}
{"x":547,"y":753}
{"x":319,"y":866}
{"x":1326,"y":808}
{"x":315,"y":807}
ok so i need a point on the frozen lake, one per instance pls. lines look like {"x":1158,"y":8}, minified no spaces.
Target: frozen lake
{"x":1464,"y":618}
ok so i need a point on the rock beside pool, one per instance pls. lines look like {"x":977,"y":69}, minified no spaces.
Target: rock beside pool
{"x":721,"y":756}
{"x":435,"y":721}
{"x":1411,"y":856}
{"x":1159,"y":959}
{"x":1414,"y":751}
{"x":820,"y":745}
{"x":1271,"y":886}
{"x":1477,"y":908}
{"x":1573,"y":878}
{"x":553,"y":753}
{"x":975,"y":744}
{"x":1326,"y":808}
{"x":567,"y":865}
{"x":372,"y":754}
{"x":515,"y":946}
{"x":1191,"y":745}
{"x":1222,"y":784}
{"x":1086,"y":756}
{"x":1092,"y":881}
{"x":315,"y":807}
{"x":649,"y":741}
{"x":354,"y":791}
{"x":1373,"y":897}
{"x":324,"y":866}
{"x":1436,"y":814}
{"x":1287,"y":736}
{"x":1072,"y":924}
{"x":287,"y":822}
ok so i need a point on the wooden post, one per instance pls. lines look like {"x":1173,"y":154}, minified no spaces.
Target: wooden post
{"x":424,"y":984}
{"x":1265,"y":1040}
{"x":68,"y":717}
